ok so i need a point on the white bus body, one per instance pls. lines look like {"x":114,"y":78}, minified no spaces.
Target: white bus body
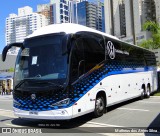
{"x":100,"y":71}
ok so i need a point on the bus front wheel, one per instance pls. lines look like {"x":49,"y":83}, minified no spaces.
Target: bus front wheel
{"x":99,"y":106}
{"x":142,"y":93}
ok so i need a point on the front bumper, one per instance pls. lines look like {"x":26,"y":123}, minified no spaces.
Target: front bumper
{"x":60,"y":114}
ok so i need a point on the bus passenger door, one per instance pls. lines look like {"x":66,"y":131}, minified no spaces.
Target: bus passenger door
{"x":77,"y":70}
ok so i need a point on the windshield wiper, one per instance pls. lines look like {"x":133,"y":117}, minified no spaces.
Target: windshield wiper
{"x":38,"y":82}
{"x":47,"y":82}
{"x":58,"y":85}
{"x":22,"y":82}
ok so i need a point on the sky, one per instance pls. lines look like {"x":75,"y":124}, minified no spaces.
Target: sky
{"x":11,"y":6}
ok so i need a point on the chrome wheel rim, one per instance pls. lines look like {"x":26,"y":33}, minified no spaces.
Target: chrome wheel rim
{"x":99,"y":105}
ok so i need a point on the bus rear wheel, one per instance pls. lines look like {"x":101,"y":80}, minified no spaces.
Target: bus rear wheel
{"x":148,"y":92}
{"x":99,"y":106}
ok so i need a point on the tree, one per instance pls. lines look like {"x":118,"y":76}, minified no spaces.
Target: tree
{"x":154,"y":41}
{"x":11,"y":70}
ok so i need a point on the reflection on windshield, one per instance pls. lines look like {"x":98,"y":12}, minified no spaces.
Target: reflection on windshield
{"x":41,"y":59}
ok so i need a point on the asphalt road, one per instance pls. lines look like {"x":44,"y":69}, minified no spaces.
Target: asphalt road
{"x":122,"y":119}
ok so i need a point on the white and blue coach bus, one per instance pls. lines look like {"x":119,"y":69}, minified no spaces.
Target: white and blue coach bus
{"x":67,"y":70}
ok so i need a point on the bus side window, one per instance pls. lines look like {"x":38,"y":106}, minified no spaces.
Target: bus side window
{"x":77,"y":60}
{"x":150,"y":58}
{"x":86,"y":54}
{"x":94,"y":53}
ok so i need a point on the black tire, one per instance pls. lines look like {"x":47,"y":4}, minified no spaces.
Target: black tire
{"x":99,"y":106}
{"x":148,"y":92}
{"x":142,"y":94}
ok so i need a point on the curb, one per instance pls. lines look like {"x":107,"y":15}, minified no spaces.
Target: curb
{"x":155,"y":96}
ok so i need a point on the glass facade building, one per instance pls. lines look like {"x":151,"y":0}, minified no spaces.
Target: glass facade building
{"x":90,"y":14}
{"x":103,"y":20}
{"x":81,"y":13}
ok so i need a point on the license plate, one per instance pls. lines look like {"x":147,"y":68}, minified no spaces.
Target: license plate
{"x":33,"y":113}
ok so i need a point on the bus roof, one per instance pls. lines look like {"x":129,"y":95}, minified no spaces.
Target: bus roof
{"x":68,"y":28}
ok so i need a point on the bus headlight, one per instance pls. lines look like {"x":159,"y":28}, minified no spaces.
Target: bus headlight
{"x":64,"y":102}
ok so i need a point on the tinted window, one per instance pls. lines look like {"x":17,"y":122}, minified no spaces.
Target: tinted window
{"x":42,"y":58}
{"x":86,"y":54}
{"x":77,"y":59}
{"x":135,"y":55}
{"x":94,"y":53}
{"x":124,"y":52}
{"x":149,"y":58}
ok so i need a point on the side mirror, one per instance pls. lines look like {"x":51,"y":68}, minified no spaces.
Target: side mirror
{"x":5,"y":50}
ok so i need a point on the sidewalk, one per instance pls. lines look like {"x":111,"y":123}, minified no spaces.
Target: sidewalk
{"x":6,"y":96}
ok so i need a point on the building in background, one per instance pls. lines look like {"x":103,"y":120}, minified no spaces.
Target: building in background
{"x":103,"y":17}
{"x":157,"y":5}
{"x":90,"y":14}
{"x":80,"y":16}
{"x":83,"y":12}
{"x":119,"y":16}
{"x":62,"y":11}
{"x":21,"y":25}
{"x":148,"y":9}
{"x":123,"y":20}
{"x":157,"y":53}
{"x":45,"y":10}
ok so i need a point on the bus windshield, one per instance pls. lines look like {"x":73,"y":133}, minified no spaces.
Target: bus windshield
{"x":42,"y":59}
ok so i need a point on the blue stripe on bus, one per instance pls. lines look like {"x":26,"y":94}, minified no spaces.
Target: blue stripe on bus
{"x":95,"y":82}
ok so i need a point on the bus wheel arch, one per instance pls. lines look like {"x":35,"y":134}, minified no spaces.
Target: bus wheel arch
{"x":100,"y":104}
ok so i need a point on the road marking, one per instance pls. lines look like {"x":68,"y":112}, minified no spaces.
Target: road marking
{"x":149,"y":102}
{"x":130,"y":109}
{"x":155,"y":97}
{"x":96,"y":124}
{"x":6,"y":110}
{"x":6,"y":100}
{"x":7,"y":113}
{"x":12,"y":125}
